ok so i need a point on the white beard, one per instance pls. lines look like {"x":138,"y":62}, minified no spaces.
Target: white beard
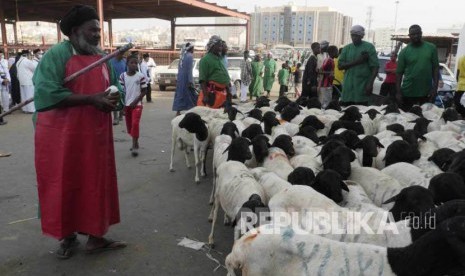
{"x":85,"y":47}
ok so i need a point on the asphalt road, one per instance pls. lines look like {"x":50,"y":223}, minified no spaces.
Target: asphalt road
{"x":158,"y":207}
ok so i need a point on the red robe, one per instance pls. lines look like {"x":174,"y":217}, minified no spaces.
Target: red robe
{"x":75,"y":160}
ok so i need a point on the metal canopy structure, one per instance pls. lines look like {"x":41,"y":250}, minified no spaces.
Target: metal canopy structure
{"x":12,"y":11}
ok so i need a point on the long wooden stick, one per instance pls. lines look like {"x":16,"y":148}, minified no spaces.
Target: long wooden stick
{"x":75,"y":75}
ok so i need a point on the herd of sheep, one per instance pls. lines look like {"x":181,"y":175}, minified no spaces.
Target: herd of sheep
{"x":403,"y":172}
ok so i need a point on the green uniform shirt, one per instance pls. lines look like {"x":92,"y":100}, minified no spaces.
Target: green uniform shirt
{"x":356,"y":78}
{"x":283,"y":76}
{"x":211,"y":68}
{"x":417,"y":64}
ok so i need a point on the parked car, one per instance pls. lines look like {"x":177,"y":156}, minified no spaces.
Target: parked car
{"x":168,"y":77}
{"x":234,"y":70}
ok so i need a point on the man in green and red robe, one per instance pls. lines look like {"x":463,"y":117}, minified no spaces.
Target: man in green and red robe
{"x":74,"y":154}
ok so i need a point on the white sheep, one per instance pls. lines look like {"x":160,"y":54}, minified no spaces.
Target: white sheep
{"x":186,"y":139}
{"x":378,"y":185}
{"x":234,"y":186}
{"x":308,"y":161}
{"x":283,"y":250}
{"x":407,"y":174}
{"x":277,"y":162}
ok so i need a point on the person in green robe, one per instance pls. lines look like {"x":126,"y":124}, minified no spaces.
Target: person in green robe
{"x":256,"y":86}
{"x":270,"y":73}
{"x":360,"y":63}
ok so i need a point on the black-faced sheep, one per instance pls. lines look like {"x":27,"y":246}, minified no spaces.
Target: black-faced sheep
{"x":416,"y":109}
{"x":309,"y":132}
{"x":457,"y":164}
{"x":330,"y":183}
{"x":290,"y":112}
{"x":442,"y":158}
{"x":369,"y":144}
{"x":372,"y":113}
{"x":270,"y":121}
{"x":260,"y":146}
{"x":401,"y":151}
{"x":355,"y":126}
{"x":255,"y":113}
{"x":397,"y":128}
{"x":447,"y":186}
{"x":450,"y":115}
{"x":334,"y":105}
{"x":284,"y":142}
{"x":301,"y":176}
{"x":351,"y":114}
{"x":252,"y":131}
{"x":312,"y":121}
{"x":339,"y":160}
{"x":229,"y":128}
{"x":412,"y":201}
{"x":282,"y":102}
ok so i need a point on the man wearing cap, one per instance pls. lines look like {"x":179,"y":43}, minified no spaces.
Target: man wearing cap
{"x":74,"y":153}
{"x":270,"y":73}
{"x":417,"y":72}
{"x":214,"y":77}
{"x":360,"y":63}
{"x":26,"y":68}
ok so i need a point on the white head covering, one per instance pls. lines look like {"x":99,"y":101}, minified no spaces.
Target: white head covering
{"x":188,"y":46}
{"x":357,"y":30}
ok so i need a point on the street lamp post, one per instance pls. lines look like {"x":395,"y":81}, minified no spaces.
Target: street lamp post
{"x":395,"y":18}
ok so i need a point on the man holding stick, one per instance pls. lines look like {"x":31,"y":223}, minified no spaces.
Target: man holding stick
{"x":74,"y":154}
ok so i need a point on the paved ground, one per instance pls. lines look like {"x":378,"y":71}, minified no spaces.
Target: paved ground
{"x":158,"y":208}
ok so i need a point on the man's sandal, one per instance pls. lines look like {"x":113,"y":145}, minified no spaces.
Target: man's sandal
{"x":108,"y":245}
{"x":67,"y":246}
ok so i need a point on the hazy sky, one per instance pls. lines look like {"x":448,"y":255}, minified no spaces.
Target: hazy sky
{"x":428,"y":14}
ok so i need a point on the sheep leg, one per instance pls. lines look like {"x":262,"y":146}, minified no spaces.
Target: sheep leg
{"x":212,"y":195}
{"x":173,"y":146}
{"x":227,"y":220}
{"x":186,"y":155}
{"x":197,"y":161}
{"x":204,"y":162}
{"x":215,"y":214}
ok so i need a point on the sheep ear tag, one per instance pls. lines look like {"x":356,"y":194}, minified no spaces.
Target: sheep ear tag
{"x":392,"y":199}
{"x":344,"y":186}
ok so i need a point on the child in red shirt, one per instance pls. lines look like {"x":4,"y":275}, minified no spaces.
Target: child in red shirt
{"x":388,"y":87}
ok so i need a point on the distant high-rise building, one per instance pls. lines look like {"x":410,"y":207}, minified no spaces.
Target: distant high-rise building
{"x":299,"y":26}
{"x":234,"y":35}
{"x":382,"y":39}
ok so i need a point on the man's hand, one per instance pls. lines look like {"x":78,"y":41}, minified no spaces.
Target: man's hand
{"x":369,"y":89}
{"x":205,"y":98}
{"x":432,"y":94}
{"x":134,"y":103}
{"x":104,"y":101}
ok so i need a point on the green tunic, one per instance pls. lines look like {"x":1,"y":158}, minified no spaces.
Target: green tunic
{"x":283,"y":77}
{"x":50,"y":73}
{"x":270,"y":71}
{"x":256,"y":86}
{"x":357,"y":77}
{"x":211,"y":68}
{"x":417,"y":64}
